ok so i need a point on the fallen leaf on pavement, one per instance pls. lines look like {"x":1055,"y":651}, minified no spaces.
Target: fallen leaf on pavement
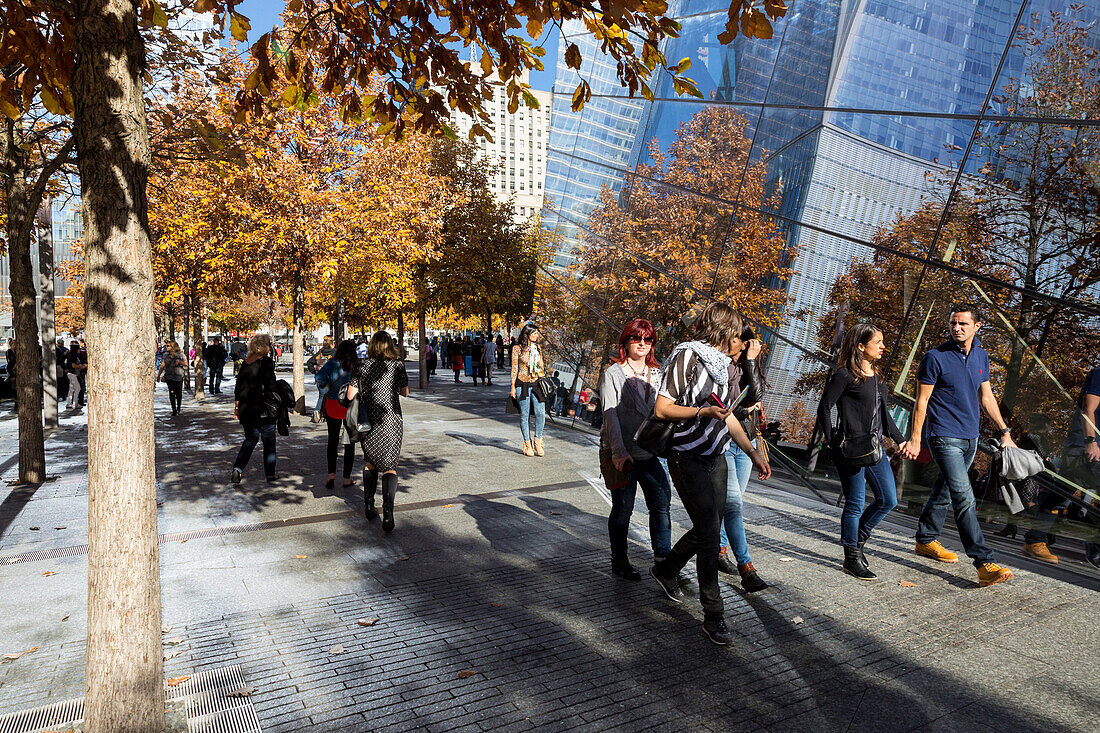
{"x":48,"y":573}
{"x":182,"y":541}
{"x":786,"y":559}
{"x":466,"y":673}
{"x":174,"y":641}
{"x":66,"y":617}
{"x":338,"y":649}
{"x":495,"y":605}
{"x":797,"y":620}
{"x":173,"y":653}
{"x":166,"y":628}
{"x":10,"y":657}
{"x":906,"y":584}
{"x":368,"y":621}
{"x":177,"y":680}
{"x":35,"y":529}
{"x":242,"y":692}
{"x":446,"y":506}
{"x":300,"y":557}
{"x":403,"y":557}
{"x":61,"y":527}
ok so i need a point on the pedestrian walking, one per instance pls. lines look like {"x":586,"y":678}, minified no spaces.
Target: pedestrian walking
{"x":456,"y":361}
{"x":499,"y":350}
{"x":1081,"y":462}
{"x":336,"y":372}
{"x":215,"y":358}
{"x":173,"y":369}
{"x":61,"y":356}
{"x":629,"y":387}
{"x":315,"y":364}
{"x":527,"y":367}
{"x":431,"y":358}
{"x":695,"y":392}
{"x":859,"y":395}
{"x":254,"y":397}
{"x":745,"y":378}
{"x":477,"y":360}
{"x":488,"y":359}
{"x":77,"y":367}
{"x":952,"y":390}
{"x":380,"y":381}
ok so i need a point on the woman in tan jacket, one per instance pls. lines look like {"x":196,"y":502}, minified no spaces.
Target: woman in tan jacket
{"x":527,"y":367}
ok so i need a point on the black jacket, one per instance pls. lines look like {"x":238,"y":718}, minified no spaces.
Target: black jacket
{"x":215,"y":355}
{"x":751,"y":378}
{"x":255,"y":385}
{"x":856,"y":403}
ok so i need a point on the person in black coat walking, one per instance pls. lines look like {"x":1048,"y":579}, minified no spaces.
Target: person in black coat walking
{"x":255,"y":406}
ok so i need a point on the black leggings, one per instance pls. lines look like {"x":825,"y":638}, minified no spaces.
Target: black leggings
{"x":335,"y":431}
{"x":175,"y":393}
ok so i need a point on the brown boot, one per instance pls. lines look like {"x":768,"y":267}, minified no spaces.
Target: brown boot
{"x":538,"y":448}
{"x":527,"y":448}
{"x":990,"y":573}
{"x":1040,"y":551}
{"x":936,"y":551}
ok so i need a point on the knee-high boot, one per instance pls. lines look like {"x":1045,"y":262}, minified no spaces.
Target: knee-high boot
{"x":370,"y":486}
{"x":389,"y":492}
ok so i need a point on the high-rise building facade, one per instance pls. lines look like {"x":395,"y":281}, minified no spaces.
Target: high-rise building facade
{"x":852,"y":104}
{"x":518,"y":149}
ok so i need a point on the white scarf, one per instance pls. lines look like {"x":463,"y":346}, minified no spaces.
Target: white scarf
{"x":533,"y":359}
{"x":716,"y":363}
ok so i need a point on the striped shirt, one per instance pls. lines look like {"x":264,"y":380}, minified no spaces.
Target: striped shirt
{"x":704,"y":436}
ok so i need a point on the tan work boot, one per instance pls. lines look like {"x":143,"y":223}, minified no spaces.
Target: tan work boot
{"x":1040,"y":551}
{"x":936,"y":551}
{"x":990,"y":573}
{"x":527,"y":448}
{"x":538,"y":448}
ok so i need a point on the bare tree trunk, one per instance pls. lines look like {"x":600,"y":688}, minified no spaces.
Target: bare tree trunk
{"x":187,"y":342}
{"x":401,"y":334}
{"x":172,"y":322}
{"x":298,"y":344}
{"x":28,"y":394}
{"x":124,"y":668}
{"x":49,"y":335}
{"x":422,"y":366}
{"x":197,"y":366}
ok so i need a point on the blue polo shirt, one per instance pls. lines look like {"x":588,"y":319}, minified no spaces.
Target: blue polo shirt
{"x":954,"y":409}
{"x":1076,"y":436}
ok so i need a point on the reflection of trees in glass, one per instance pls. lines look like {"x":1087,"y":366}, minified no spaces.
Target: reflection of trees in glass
{"x":666,"y":218}
{"x":1030,"y":218}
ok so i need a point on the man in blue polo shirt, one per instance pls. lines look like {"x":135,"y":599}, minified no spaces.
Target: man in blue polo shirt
{"x":952,"y":390}
{"x":1081,"y":459}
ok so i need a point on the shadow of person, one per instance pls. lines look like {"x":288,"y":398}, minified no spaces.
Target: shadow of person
{"x":499,"y":523}
{"x":474,"y":439}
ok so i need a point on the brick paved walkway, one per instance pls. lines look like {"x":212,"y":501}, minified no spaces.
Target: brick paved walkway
{"x":497,"y":611}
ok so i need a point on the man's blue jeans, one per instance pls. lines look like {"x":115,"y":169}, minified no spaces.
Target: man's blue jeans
{"x":856,"y":522}
{"x":527,"y":405}
{"x":739,"y":467}
{"x":657,"y":492}
{"x":953,"y":456}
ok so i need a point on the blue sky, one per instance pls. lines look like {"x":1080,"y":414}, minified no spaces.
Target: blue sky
{"x":264,"y":14}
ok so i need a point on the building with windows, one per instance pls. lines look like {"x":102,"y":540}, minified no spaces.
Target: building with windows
{"x":851,"y":104}
{"x":518,"y":149}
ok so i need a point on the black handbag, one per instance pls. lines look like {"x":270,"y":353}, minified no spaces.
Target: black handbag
{"x":654,"y":435}
{"x":544,"y":388}
{"x":865,"y":450}
{"x":356,"y":421}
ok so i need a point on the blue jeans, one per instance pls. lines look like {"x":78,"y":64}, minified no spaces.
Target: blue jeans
{"x":216,"y":376}
{"x":952,"y":488}
{"x":857,"y":522}
{"x":527,"y":405}
{"x":657,"y":492}
{"x":253,"y":433}
{"x":739,"y":467}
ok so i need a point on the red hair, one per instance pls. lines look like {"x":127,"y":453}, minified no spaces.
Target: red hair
{"x":637,"y":327}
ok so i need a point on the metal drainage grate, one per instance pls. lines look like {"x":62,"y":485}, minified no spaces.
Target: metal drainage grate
{"x":194,"y":534}
{"x":204,"y":698}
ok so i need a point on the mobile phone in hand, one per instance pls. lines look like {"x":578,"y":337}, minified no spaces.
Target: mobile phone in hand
{"x":716,"y":401}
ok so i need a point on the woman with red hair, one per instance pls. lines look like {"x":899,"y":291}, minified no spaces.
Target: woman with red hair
{"x":628,"y":390}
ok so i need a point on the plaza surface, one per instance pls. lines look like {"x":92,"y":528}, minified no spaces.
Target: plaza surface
{"x":496,"y":608}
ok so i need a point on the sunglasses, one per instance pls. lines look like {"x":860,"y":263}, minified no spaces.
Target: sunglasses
{"x":640,"y":339}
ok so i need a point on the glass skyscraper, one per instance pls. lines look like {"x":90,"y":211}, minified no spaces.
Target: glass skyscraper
{"x":908,"y":72}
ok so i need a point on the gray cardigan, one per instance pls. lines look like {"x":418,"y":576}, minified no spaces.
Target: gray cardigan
{"x":627,"y":400}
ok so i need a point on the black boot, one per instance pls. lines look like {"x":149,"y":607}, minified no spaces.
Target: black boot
{"x":620,"y":565}
{"x":1009,"y":530}
{"x":725,"y":565}
{"x":370,"y":485}
{"x":859,"y":546}
{"x":389,"y":492}
{"x":854,"y":566}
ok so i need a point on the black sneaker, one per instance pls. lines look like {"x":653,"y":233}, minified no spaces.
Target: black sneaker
{"x":671,"y":587}
{"x":1092,"y":554}
{"x":623,"y":568}
{"x":717,"y":632}
{"x":235,"y":477}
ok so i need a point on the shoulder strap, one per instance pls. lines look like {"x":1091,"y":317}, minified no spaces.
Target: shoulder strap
{"x":692,"y":374}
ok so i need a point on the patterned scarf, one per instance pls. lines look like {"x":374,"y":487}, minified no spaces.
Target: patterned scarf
{"x":715,"y":361}
{"x":533,"y":360}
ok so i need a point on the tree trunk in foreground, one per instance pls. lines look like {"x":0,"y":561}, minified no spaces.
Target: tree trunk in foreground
{"x":124,"y":667}
{"x":28,"y":394}
{"x":49,"y":333}
{"x":298,"y":344}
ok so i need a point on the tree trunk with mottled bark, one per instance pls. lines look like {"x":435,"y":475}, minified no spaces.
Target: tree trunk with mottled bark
{"x":28,"y":392}
{"x":422,"y":365}
{"x":124,"y":664}
{"x":298,"y":344}
{"x":196,"y":336}
{"x":49,"y":333}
